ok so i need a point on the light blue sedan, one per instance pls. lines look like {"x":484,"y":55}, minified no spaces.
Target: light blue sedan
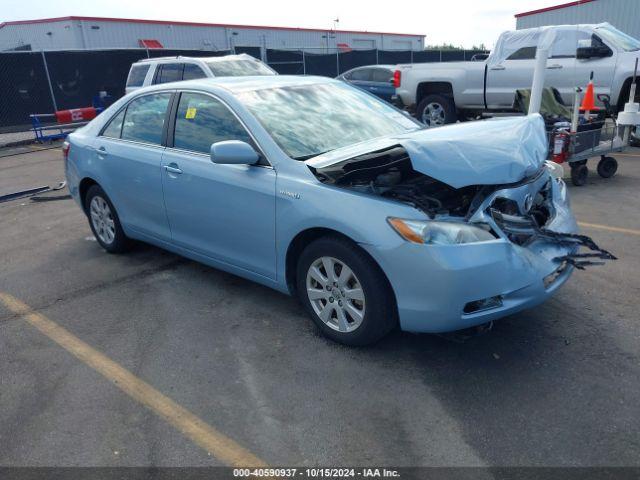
{"x":315,"y":188}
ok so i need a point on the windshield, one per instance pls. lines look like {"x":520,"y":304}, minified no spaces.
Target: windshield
{"x":618,"y":38}
{"x":312,"y":119}
{"x":238,"y":68}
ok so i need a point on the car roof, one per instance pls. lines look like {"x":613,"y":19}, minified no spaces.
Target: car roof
{"x":391,"y":67}
{"x":244,"y":83}
{"x":223,"y":58}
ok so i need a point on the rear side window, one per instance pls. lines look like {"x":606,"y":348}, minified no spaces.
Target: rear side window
{"x":524,"y":53}
{"x":191,"y":72}
{"x":144,"y":118}
{"x":202,"y":120}
{"x":114,"y":129}
{"x":238,"y":68}
{"x":168,"y":72}
{"x":137,"y":75}
{"x":382,"y":75}
{"x":363,"y":75}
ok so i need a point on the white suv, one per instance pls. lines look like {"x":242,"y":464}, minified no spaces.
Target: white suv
{"x":152,"y":71}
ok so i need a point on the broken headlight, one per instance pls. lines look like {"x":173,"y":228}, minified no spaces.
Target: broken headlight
{"x":439,"y":233}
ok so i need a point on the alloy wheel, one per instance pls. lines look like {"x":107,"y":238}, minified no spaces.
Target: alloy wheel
{"x":335,"y":294}
{"x":433,"y":115}
{"x":102,"y":219}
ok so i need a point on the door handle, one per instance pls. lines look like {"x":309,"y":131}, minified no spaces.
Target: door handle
{"x":173,"y":168}
{"x":498,"y":67}
{"x":555,"y":66}
{"x":102,"y":152}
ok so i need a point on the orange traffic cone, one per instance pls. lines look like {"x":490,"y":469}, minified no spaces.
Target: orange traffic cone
{"x":589,"y":101}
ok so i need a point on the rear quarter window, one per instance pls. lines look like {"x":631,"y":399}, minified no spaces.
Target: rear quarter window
{"x":137,"y":75}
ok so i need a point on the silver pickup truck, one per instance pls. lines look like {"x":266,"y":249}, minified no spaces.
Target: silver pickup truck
{"x":440,"y":93}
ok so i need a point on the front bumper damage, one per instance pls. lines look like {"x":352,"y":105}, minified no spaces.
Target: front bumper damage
{"x":442,"y":288}
{"x":520,"y":226}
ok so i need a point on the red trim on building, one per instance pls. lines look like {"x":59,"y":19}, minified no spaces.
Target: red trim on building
{"x":150,"y":43}
{"x":193,"y":24}
{"x":554,"y":7}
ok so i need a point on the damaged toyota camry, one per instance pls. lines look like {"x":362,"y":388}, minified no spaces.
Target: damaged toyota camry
{"x":317,"y":189}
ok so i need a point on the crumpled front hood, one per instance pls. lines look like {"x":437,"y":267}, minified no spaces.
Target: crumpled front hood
{"x":490,"y":152}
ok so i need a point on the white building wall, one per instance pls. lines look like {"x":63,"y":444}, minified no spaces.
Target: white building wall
{"x":100,"y":34}
{"x":622,"y":14}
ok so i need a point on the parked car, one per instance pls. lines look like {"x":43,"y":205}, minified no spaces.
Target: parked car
{"x":152,"y":71}
{"x":380,"y":80}
{"x":441,"y":93}
{"x":314,"y":188}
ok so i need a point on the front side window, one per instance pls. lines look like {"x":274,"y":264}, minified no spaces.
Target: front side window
{"x":144,"y":118}
{"x":137,"y":75}
{"x":567,"y":42}
{"x":238,"y":68}
{"x":168,"y":72}
{"x":202,"y":120}
{"x":312,"y":119}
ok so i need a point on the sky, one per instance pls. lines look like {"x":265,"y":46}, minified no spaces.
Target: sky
{"x":459,"y":22}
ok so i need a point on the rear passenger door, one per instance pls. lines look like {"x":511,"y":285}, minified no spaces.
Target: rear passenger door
{"x":226,"y":212}
{"x":192,"y":72}
{"x":381,"y":84}
{"x":128,"y":155}
{"x":168,"y":72}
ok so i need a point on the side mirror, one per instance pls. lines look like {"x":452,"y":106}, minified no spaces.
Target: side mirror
{"x":233,"y":152}
{"x":585,"y":53}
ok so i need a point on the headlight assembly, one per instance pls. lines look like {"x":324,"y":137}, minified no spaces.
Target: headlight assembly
{"x":439,"y":233}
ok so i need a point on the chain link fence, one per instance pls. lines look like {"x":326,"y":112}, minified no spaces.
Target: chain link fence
{"x":43,"y":82}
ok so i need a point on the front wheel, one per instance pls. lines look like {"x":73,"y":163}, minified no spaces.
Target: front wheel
{"x":436,"y":110}
{"x":579,"y":174}
{"x":345,"y":292}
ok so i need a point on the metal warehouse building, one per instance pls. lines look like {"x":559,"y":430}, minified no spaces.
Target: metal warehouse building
{"x":88,"y":33}
{"x":622,"y":14}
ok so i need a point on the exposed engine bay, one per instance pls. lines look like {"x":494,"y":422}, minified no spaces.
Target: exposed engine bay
{"x":389,"y":173}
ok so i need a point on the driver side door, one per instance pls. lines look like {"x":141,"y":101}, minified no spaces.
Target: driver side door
{"x":225,"y":212}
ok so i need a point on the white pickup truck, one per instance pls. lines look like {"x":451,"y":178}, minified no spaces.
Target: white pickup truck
{"x":439,"y":93}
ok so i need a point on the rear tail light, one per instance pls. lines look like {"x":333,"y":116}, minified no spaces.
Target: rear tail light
{"x":66,"y":148}
{"x":397,"y":77}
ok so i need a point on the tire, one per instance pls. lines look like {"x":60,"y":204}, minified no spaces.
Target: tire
{"x":365,"y":299}
{"x":579,"y":175}
{"x":607,"y":167}
{"x":442,"y":110}
{"x":104,"y":221}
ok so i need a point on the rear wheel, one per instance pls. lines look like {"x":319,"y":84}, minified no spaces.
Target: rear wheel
{"x":436,"y":110}
{"x":104,"y":221}
{"x":345,"y":292}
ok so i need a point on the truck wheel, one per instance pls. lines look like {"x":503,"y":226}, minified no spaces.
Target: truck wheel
{"x":435,"y":110}
{"x":607,"y":167}
{"x":579,"y":175}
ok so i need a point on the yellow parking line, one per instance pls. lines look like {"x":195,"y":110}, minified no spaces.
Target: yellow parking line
{"x":611,"y":229}
{"x":204,"y":435}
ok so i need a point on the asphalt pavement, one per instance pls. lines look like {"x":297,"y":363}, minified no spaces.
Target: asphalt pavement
{"x":558,"y":385}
